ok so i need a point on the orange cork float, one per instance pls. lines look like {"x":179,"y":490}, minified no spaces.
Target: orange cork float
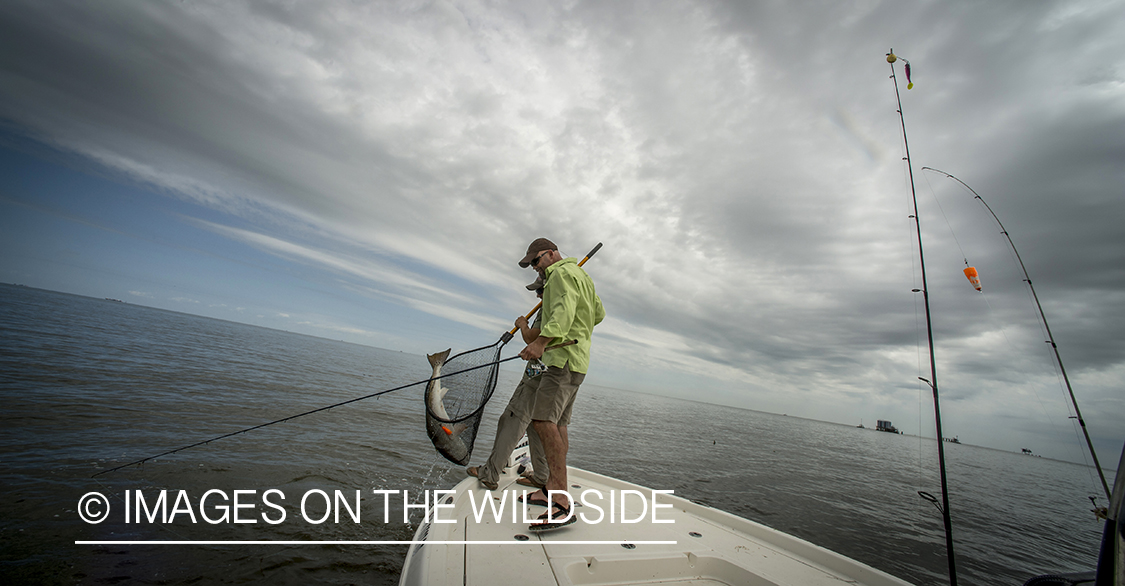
{"x":974,"y":278}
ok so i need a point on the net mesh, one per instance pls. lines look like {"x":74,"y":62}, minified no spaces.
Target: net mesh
{"x":465,"y":394}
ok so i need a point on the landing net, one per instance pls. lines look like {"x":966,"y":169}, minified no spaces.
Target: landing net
{"x":466,"y":395}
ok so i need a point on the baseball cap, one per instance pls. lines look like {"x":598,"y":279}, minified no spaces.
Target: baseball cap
{"x":538,"y":245}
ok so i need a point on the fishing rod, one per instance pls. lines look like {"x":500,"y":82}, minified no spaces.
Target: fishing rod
{"x":318,"y":410}
{"x":932,"y":382}
{"x":1043,"y":316}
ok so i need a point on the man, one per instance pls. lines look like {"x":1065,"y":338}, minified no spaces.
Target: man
{"x":571,"y":309}
{"x":516,"y":420}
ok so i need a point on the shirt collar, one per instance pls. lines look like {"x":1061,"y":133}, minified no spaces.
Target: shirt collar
{"x":547,"y":272}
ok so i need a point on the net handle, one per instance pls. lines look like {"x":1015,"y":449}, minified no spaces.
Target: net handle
{"x":513,"y":331}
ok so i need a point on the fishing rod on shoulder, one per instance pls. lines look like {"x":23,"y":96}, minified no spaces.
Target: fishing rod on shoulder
{"x":1042,"y":316}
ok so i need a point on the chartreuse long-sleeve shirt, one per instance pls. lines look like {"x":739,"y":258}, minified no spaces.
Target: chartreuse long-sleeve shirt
{"x":571,"y":309}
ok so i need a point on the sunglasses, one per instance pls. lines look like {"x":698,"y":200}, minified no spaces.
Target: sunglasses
{"x":535,"y":261}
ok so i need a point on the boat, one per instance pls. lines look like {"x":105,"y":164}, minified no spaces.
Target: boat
{"x":881,"y":425}
{"x":658,"y":538}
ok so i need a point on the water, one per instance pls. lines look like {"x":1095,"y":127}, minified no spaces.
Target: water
{"x":88,"y":384}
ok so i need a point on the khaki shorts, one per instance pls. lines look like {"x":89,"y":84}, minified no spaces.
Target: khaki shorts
{"x":523,"y":398}
{"x":554,"y":399}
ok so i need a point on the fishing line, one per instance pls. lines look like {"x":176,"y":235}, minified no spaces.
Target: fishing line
{"x":911,"y":228}
{"x":1027,"y":380}
{"x":993,"y":317}
{"x":924,"y":475}
{"x":291,"y":417}
{"x":1045,"y":333}
{"x":992,"y":312}
{"x":1042,"y":317}
{"x":946,"y":218}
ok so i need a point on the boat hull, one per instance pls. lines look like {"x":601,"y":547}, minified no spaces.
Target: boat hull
{"x":677,"y":542}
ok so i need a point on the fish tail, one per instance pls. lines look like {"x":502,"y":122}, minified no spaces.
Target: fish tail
{"x":438,"y":359}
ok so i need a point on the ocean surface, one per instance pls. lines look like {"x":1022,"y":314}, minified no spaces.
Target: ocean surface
{"x":87,"y":384}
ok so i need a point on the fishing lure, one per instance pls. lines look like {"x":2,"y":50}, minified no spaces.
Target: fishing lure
{"x":891,"y":58}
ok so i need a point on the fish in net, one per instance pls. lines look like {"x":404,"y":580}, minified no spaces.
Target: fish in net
{"x":455,"y":402}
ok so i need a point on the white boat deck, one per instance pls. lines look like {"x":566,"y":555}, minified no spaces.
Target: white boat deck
{"x":704,"y":545}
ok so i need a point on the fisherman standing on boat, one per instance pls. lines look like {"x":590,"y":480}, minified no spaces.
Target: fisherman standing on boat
{"x":516,"y":420}
{"x":571,"y":309}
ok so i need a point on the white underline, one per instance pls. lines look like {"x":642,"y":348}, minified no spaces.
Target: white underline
{"x":270,"y":542}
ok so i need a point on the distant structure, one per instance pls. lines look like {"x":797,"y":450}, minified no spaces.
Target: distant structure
{"x":881,"y":425}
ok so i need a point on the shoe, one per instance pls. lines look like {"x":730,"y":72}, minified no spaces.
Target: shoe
{"x":531,"y":500}
{"x":528,"y":481}
{"x":474,"y":471}
{"x":547,"y":525}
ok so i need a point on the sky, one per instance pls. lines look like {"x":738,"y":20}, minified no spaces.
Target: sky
{"x":373,"y":171}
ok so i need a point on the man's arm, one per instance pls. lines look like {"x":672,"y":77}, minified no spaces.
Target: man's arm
{"x":529,"y":333}
{"x":534,"y":350}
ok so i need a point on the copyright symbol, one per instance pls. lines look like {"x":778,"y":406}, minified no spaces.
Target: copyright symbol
{"x":93,"y":507}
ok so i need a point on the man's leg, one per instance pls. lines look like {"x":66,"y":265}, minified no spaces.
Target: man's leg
{"x":555,"y":450}
{"x":538,"y":457}
{"x":554,"y":401}
{"x":509,"y":429}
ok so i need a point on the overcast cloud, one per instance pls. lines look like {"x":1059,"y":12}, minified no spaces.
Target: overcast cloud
{"x":741,"y":162}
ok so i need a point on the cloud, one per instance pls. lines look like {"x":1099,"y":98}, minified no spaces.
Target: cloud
{"x":336,"y":328}
{"x":370,"y":270}
{"x":740,"y":161}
